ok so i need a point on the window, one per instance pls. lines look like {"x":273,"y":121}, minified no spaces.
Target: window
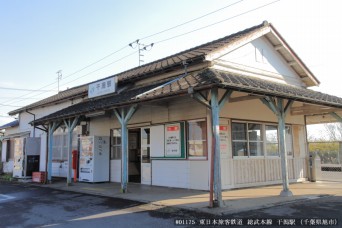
{"x":288,"y":140}
{"x":145,"y":145}
{"x":247,"y":139}
{"x":115,"y":144}
{"x":197,"y":138}
{"x":272,"y":148}
{"x":255,"y":139}
{"x":60,"y":144}
{"x":239,"y":139}
{"x":10,"y":150}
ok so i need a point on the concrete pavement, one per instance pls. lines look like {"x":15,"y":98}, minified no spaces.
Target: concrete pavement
{"x":235,"y":201}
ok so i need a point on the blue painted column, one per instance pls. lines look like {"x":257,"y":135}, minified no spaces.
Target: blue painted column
{"x":124,"y":152}
{"x":215,"y":110}
{"x":280,"y":111}
{"x":282,"y":148}
{"x":123,"y":118}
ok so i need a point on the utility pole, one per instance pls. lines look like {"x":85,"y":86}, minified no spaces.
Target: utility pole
{"x":59,"y":77}
{"x":141,"y":47}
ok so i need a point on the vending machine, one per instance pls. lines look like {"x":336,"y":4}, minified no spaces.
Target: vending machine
{"x":26,"y":157}
{"x":94,"y":159}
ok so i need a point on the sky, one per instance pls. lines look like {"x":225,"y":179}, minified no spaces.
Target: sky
{"x":89,"y":40}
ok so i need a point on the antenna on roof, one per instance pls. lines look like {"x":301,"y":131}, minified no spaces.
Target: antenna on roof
{"x":141,"y":47}
{"x":59,"y":77}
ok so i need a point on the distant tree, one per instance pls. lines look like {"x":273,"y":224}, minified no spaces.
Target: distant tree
{"x":333,"y":131}
{"x":327,"y":151}
{"x":330,"y":132}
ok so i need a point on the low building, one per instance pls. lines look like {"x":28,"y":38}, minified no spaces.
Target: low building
{"x":226,"y":114}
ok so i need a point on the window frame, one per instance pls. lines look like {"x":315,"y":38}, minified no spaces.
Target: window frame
{"x":204,"y":141}
{"x":263,"y":141}
{"x":10,"y":149}
{"x":62,"y":145}
{"x":248,"y":140}
{"x":145,"y":146}
{"x":266,"y":153}
{"x":115,"y":145}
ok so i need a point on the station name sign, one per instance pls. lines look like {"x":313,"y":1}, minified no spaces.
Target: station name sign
{"x":102,"y":87}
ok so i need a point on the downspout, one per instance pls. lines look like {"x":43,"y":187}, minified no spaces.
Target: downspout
{"x":34,"y":120}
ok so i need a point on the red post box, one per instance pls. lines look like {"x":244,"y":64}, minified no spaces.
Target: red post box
{"x":74,"y":163}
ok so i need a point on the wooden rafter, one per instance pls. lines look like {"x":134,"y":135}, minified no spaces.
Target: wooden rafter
{"x":312,"y":110}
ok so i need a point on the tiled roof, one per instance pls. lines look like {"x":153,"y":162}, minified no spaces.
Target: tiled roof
{"x":79,"y":91}
{"x":198,"y":81}
{"x":264,"y":87}
{"x":196,"y":54}
{"x":10,"y":124}
{"x":189,"y":55}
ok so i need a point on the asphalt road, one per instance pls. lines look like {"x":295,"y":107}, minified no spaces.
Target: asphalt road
{"x":324,"y":211}
{"x":25,"y":205}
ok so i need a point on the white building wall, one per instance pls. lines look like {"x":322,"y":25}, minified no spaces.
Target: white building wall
{"x":24,"y":126}
{"x":235,"y":172}
{"x":43,"y":151}
{"x":180,"y":174}
{"x":254,"y":110}
{"x":259,"y":59}
{"x":115,"y":171}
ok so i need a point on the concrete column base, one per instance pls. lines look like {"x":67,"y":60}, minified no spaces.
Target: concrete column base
{"x":286,"y":193}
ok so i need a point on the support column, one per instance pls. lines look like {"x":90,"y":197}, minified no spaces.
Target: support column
{"x":215,"y":112}
{"x":215,"y":105}
{"x":52,"y":127}
{"x":124,"y":116}
{"x":70,"y":124}
{"x":280,"y":111}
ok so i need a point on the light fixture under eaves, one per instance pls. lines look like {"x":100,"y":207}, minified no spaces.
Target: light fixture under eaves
{"x":93,"y":114}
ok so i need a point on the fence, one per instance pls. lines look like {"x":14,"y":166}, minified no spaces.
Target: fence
{"x":327,"y":160}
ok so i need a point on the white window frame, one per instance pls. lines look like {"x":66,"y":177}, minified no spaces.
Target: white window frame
{"x":264,"y":141}
{"x":144,"y":145}
{"x":115,"y":145}
{"x":194,"y":157}
{"x":248,"y":140}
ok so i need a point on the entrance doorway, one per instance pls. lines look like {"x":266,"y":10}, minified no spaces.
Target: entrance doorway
{"x":134,"y":156}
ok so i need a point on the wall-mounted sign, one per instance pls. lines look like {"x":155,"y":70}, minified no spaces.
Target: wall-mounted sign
{"x":102,"y":87}
{"x":224,"y":139}
{"x":173,"y":140}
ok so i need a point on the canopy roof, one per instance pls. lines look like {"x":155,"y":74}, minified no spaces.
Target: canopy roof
{"x":197,"y":81}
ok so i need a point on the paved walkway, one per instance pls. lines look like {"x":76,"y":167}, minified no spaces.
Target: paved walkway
{"x":234,"y":200}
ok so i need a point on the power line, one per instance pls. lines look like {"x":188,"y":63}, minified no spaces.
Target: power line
{"x":20,"y":89}
{"x":14,"y":106}
{"x":118,"y":60}
{"x":160,"y":41}
{"x":26,"y":98}
{"x":90,"y":72}
{"x":122,"y":48}
{"x":218,"y":22}
{"x":187,"y":22}
{"x":69,"y":75}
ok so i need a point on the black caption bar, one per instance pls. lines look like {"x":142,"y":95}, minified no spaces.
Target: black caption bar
{"x":258,"y":222}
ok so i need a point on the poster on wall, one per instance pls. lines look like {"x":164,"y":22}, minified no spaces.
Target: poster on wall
{"x":224,"y":139}
{"x":173,"y":140}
